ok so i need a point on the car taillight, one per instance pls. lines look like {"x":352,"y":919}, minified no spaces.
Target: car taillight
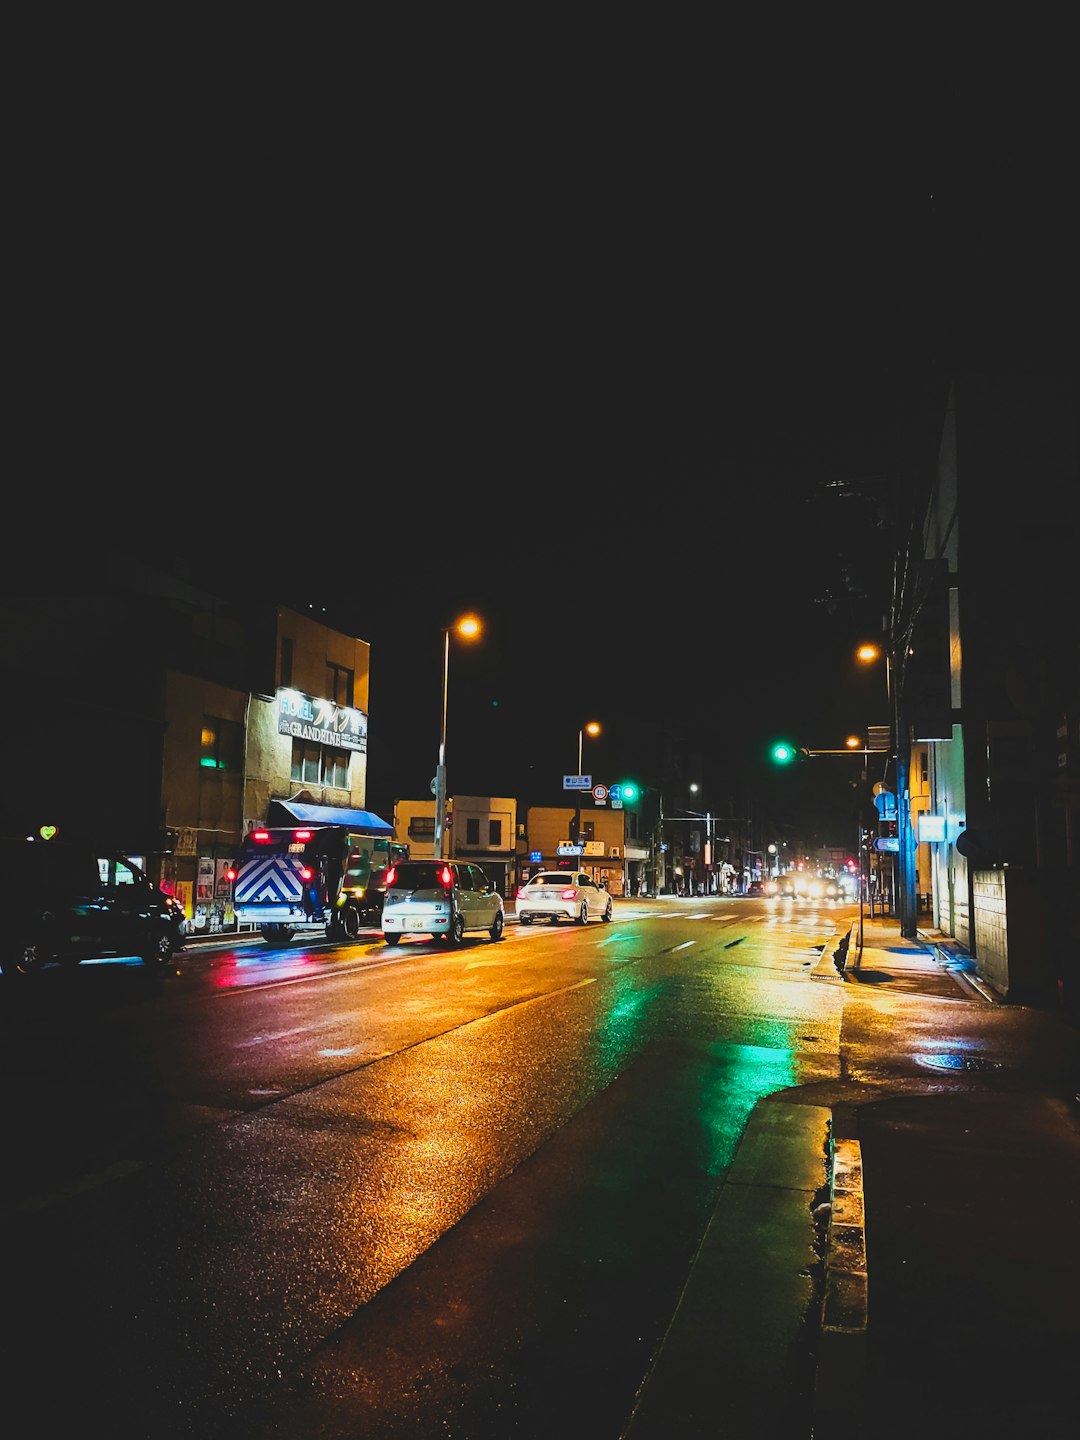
{"x":446,"y":878}
{"x":230,"y":873}
{"x":391,"y":876}
{"x":304,"y":835}
{"x":261,"y":837}
{"x":569,"y":894}
{"x":306,"y":872}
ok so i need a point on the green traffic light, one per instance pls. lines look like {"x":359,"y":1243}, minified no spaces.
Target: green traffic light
{"x":627,"y":791}
{"x":783,"y":753}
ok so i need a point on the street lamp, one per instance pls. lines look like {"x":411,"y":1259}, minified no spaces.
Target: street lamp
{"x":592,"y":727}
{"x":468,"y":627}
{"x":707,"y":859}
{"x":901,"y":738}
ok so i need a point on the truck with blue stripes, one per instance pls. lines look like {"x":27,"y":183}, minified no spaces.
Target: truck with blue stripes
{"x":314,"y":870}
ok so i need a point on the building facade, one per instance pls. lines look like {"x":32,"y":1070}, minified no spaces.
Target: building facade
{"x":182,"y":716}
{"x":227,"y":753}
{"x":997,"y":716}
{"x":481,"y":828}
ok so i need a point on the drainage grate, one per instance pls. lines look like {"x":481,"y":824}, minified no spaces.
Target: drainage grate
{"x":958,"y":1062}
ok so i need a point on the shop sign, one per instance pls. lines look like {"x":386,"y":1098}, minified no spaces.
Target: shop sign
{"x":306,"y":717}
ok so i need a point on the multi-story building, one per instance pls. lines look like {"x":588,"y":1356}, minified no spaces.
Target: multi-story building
{"x":486,"y":829}
{"x":481,"y":828}
{"x":986,"y":647}
{"x":182,"y":717}
{"x":548,"y":843}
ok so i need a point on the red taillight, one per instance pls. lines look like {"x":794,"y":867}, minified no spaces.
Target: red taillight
{"x":306,"y":872}
{"x":260,"y":836}
{"x":304,"y":835}
{"x":230,"y":873}
{"x":446,"y":878}
{"x":570,"y":894}
{"x":391,"y":876}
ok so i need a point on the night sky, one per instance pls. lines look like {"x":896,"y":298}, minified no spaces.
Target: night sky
{"x":629,"y":363}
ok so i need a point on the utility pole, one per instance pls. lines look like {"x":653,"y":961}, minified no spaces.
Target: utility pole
{"x":907,"y":901}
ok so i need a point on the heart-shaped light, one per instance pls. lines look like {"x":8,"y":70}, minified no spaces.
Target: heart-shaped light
{"x":47,"y":832}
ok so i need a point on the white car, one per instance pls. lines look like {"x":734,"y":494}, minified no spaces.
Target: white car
{"x":556,"y":895}
{"x":440,"y":898}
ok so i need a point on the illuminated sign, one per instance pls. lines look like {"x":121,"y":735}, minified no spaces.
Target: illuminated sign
{"x":306,"y":718}
{"x":931,"y":827}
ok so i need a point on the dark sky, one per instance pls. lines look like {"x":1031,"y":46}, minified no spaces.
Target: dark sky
{"x":627,"y":356}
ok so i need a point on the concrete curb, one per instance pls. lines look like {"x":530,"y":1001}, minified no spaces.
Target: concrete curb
{"x":725,"y":1366}
{"x":841,"y":1368}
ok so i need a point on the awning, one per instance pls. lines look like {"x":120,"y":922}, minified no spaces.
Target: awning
{"x":284,"y":812}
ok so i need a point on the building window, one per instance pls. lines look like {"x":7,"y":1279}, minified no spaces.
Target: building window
{"x":422,"y":827}
{"x":472,"y":830}
{"x":336,"y":768}
{"x":305,"y":763}
{"x":339,"y":684}
{"x":286,"y":661}
{"x":319,"y":765}
{"x":222,"y":744}
{"x":495,"y":833}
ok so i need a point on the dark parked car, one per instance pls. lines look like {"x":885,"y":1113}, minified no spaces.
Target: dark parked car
{"x":76,"y":902}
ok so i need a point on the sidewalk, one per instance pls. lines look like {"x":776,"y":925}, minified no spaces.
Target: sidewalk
{"x":946,"y":1239}
{"x":952,"y":1302}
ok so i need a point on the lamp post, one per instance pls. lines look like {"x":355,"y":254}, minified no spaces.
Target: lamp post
{"x":708,"y":856}
{"x":591,"y":728}
{"x":468,"y":627}
{"x":901,"y":737}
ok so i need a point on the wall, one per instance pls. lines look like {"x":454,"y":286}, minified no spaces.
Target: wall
{"x":421,"y":844}
{"x":948,"y":868}
{"x":1010,"y":924}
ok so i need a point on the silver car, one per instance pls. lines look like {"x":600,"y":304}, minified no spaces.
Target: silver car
{"x":440,"y":898}
{"x":556,"y":895}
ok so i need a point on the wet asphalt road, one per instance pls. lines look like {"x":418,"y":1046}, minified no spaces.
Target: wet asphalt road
{"x":349,"y":1191}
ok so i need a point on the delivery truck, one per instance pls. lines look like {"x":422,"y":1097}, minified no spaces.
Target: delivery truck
{"x":323,"y":872}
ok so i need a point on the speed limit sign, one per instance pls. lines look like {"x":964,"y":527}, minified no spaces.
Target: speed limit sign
{"x":599,"y":792}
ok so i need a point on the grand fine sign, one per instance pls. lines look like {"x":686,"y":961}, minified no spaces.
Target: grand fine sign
{"x":306,"y":718}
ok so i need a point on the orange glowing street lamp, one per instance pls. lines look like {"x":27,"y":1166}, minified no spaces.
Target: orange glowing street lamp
{"x":469,"y":628}
{"x":592,"y":728}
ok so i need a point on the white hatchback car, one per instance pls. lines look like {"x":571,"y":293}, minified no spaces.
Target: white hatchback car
{"x":556,"y":895}
{"x":440,"y":898}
